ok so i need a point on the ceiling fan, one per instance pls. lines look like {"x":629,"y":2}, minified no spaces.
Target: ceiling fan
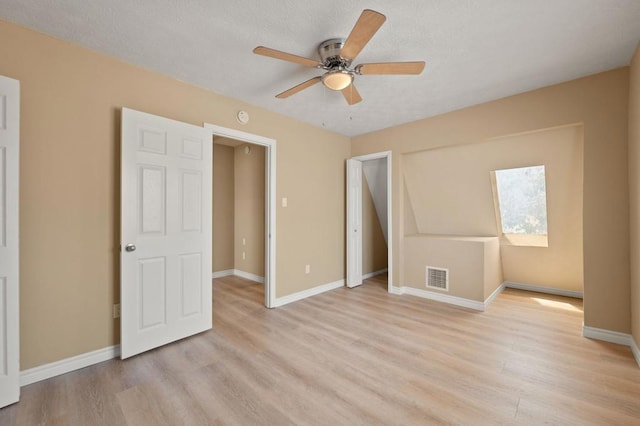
{"x":336,"y":56}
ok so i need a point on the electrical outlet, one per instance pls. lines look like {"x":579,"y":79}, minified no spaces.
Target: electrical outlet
{"x":244,"y":255}
{"x":116,"y":310}
{"x":307,"y":269}
{"x":244,"y":241}
{"x":284,"y":202}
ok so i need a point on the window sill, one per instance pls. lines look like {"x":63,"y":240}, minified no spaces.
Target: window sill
{"x":526,"y":240}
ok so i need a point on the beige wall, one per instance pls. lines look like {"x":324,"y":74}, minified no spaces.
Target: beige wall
{"x":249,"y":209}
{"x":311,"y":228}
{"x":374,"y":247}
{"x":69,"y":197}
{"x":450,"y":191}
{"x":634,"y":191}
{"x":223,"y":204}
{"x":600,"y":104}
{"x":69,"y":186}
{"x":473,"y":264}
{"x":493,"y":272}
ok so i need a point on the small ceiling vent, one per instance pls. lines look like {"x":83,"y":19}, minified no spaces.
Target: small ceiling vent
{"x":437,"y":278}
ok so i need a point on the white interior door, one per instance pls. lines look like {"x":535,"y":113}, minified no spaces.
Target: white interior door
{"x":9,"y":248}
{"x":354,"y":223}
{"x":165,"y":259}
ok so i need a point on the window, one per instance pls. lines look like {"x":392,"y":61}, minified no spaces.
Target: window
{"x":520,"y":196}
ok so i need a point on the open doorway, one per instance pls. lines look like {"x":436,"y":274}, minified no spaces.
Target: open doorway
{"x":244,"y":207}
{"x":369,"y":218}
{"x":238,"y":209}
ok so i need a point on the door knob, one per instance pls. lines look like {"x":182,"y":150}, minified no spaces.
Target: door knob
{"x":130,"y":247}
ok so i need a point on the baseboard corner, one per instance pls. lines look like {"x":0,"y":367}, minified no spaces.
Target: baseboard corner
{"x":221,"y":274}
{"x":248,"y":276}
{"x":396,"y":290}
{"x":635,"y":350}
{"x":374,"y":273}
{"x":607,"y":335}
{"x":495,"y":294}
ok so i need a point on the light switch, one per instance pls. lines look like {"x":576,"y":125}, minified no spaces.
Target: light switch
{"x":244,"y":255}
{"x":284,"y":201}
{"x":244,"y":241}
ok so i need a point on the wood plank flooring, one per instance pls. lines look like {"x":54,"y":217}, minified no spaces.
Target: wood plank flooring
{"x":359,"y":356}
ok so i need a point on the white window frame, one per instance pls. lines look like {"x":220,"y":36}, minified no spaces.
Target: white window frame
{"x":530,"y":240}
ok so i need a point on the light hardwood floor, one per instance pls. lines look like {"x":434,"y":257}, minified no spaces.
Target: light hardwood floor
{"x":359,"y":356}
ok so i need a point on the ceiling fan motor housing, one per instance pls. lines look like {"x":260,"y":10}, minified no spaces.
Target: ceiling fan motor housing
{"x":329,"y":51}
{"x":336,"y":56}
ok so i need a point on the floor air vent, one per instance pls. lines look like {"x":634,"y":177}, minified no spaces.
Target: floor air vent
{"x":437,"y":278}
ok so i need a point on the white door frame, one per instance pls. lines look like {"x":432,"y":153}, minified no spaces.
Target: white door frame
{"x":376,"y":156}
{"x":9,"y":241}
{"x":270,"y":203}
{"x":354,"y":223}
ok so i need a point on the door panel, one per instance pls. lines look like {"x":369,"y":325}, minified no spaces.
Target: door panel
{"x":191,"y":200}
{"x":190,"y":277}
{"x":9,"y":247}
{"x":152,"y":288}
{"x":166,"y":211}
{"x":152,"y":200}
{"x":354,"y":223}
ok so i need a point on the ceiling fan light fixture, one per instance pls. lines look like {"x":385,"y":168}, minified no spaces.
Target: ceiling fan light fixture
{"x":336,"y":57}
{"x":337,"y":80}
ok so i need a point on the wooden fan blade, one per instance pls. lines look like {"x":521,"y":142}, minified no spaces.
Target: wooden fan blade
{"x":391,"y":68}
{"x":351,"y":94}
{"x":299,"y":87}
{"x":272,"y":53}
{"x":368,"y":24}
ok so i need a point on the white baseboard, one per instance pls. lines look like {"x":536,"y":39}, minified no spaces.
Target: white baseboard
{"x":221,"y":274}
{"x":67,"y":365}
{"x":613,"y":337}
{"x":635,"y":350}
{"x":281,"y":301}
{"x":607,"y":335}
{"x":396,"y":290}
{"x":374,"y":273}
{"x":481,"y":306}
{"x":248,"y":276}
{"x":239,"y":273}
{"x":547,"y":290}
{"x":495,"y":294}
{"x":445,"y":298}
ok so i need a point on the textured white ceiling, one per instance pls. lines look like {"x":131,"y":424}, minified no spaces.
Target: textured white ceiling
{"x":475,"y":50}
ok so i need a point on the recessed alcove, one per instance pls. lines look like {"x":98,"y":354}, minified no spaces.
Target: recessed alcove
{"x":450,"y":216}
